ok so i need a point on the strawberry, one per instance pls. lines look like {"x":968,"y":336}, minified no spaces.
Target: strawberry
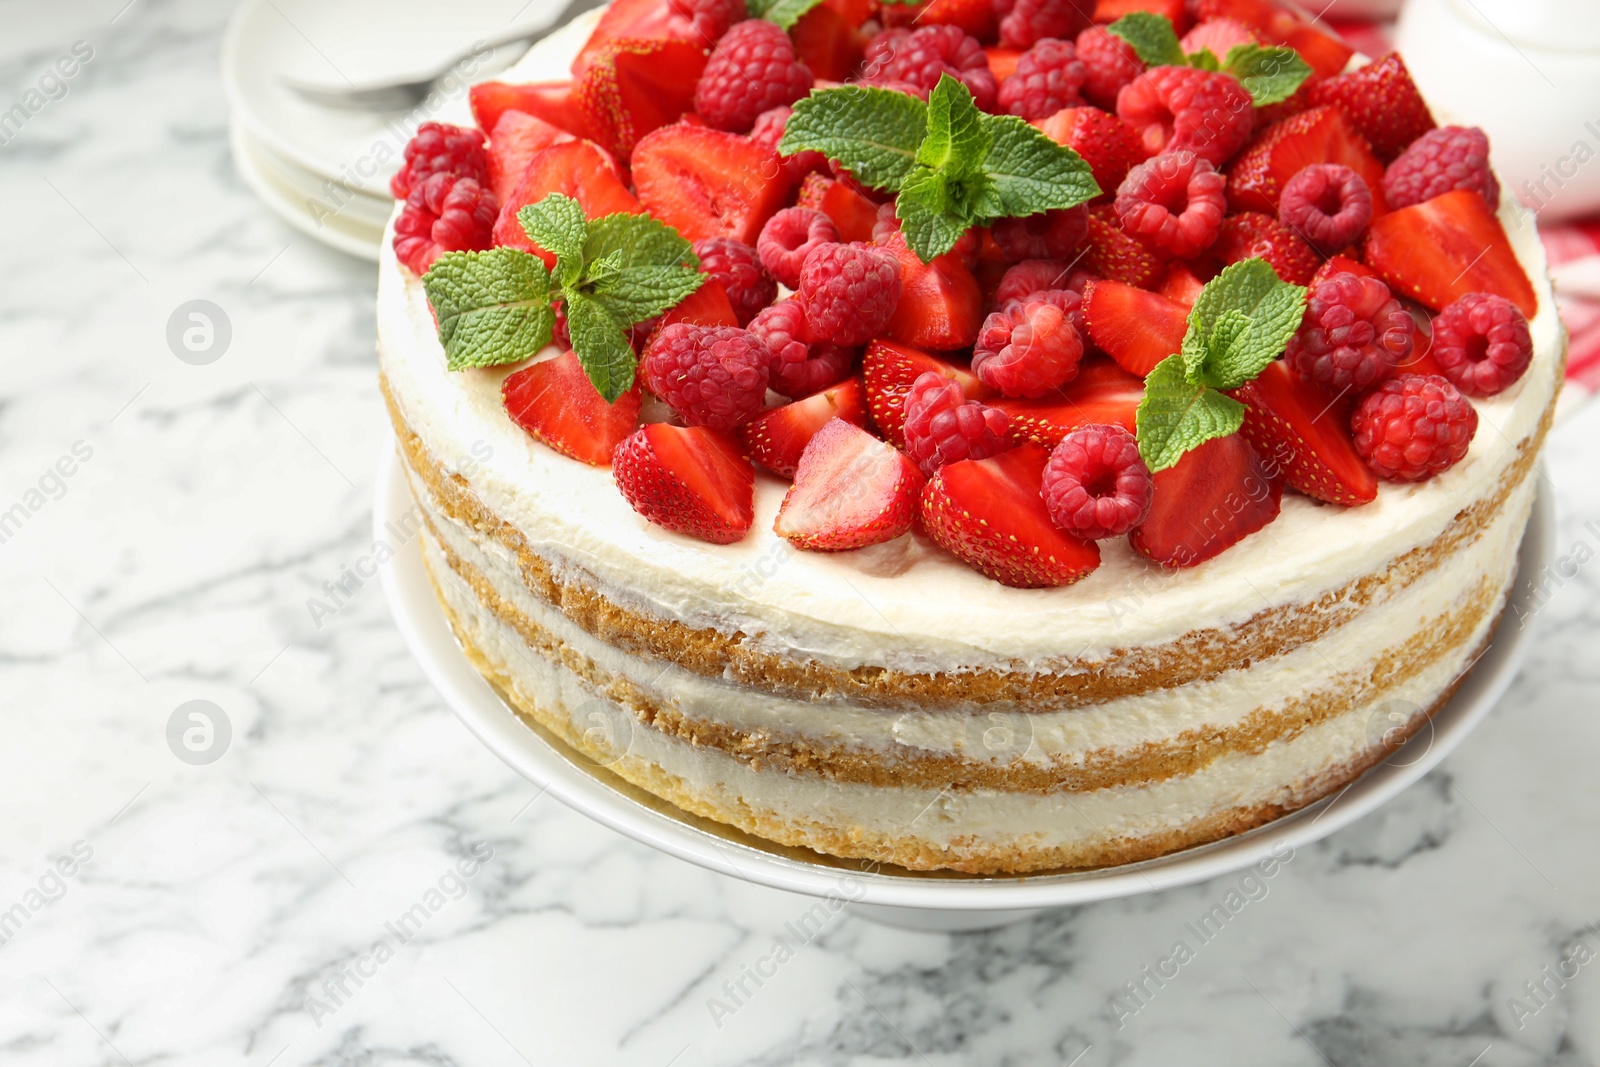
{"x":1219,"y":37}
{"x":1321,"y":135}
{"x":1446,"y":247}
{"x":1111,"y":253}
{"x":639,"y":20}
{"x":1211,"y":499}
{"x":1181,"y":284}
{"x":827,"y":44}
{"x":1421,"y":361}
{"x":1136,"y":328}
{"x":776,"y":438}
{"x":516,"y":139}
{"x":1002,"y":62}
{"x":1342,"y":264}
{"x":555,"y":401}
{"x":688,"y":479}
{"x":554,"y":102}
{"x":1176,"y":11}
{"x":1102,"y":393}
{"x":888,"y":369}
{"x":579,"y":169}
{"x":1381,"y":102}
{"x":988,"y":513}
{"x":1326,"y":54}
{"x":631,"y":87}
{"x":851,"y":490}
{"x":1293,"y":428}
{"x":1252,"y":235}
{"x":1109,"y":145}
{"x":976,"y":17}
{"x":941,"y":306}
{"x":813,"y":188}
{"x":707,"y":183}
{"x":706,"y":306}
{"x":852,"y":214}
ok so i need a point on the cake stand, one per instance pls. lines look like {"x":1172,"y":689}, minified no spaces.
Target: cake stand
{"x":917,"y":900}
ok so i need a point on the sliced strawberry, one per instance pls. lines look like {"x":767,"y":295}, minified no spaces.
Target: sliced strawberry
{"x":1326,"y":54}
{"x":706,"y":306}
{"x":1320,"y":135}
{"x":976,"y":17}
{"x":516,"y":139}
{"x":1111,"y":253}
{"x":1421,"y":361}
{"x":1445,"y":248}
{"x":631,"y":87}
{"x":1176,"y":11}
{"x":988,"y":513}
{"x":1002,"y":62}
{"x":554,"y":102}
{"x":641,"y":20}
{"x":579,"y":169}
{"x":1341,"y":265}
{"x":825,"y":42}
{"x":1294,"y":428}
{"x":1381,"y":102}
{"x":813,"y":188}
{"x":1211,"y":499}
{"x":776,"y":438}
{"x":941,"y":306}
{"x":689,"y":479}
{"x":1102,"y":393}
{"x":888,"y":369}
{"x":854,"y":12}
{"x":852,"y":214}
{"x":851,"y":490}
{"x":707,"y":183}
{"x":1219,"y":37}
{"x":1109,"y":145}
{"x":1181,"y":284}
{"x":1135,"y":327}
{"x":555,"y":401}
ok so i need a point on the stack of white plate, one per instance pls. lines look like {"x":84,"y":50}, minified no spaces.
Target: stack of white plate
{"x":326,"y":171}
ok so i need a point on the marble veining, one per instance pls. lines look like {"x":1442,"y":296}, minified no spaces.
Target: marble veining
{"x":356,"y":881}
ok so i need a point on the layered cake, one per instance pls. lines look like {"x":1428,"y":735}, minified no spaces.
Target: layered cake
{"x":962,"y":436}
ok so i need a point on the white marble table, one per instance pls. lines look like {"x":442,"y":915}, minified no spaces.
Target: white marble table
{"x":232,"y":912}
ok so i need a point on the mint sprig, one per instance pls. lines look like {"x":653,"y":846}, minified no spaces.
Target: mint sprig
{"x":951,"y":165}
{"x":1240,"y":323}
{"x":498,"y":306}
{"x":1269,"y":75}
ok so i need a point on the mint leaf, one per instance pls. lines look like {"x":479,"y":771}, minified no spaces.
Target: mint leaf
{"x":934,"y":212}
{"x":556,"y":224}
{"x":637,"y":267}
{"x":1241,"y":321}
{"x":1030,"y":172}
{"x":1152,"y":37}
{"x":1177,"y":415}
{"x":1271,"y":75}
{"x":784,"y":12}
{"x":641,"y":240}
{"x":601,"y":345}
{"x":874,"y":133}
{"x":635,"y":294}
{"x":958,"y":139}
{"x":1205,"y":59}
{"x":493,"y":307}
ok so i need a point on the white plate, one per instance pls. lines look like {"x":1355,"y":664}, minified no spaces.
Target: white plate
{"x":928,"y":901}
{"x":345,"y":230}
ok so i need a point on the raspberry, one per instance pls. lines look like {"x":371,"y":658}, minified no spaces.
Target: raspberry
{"x":734,"y":264}
{"x":1024,"y":23}
{"x":1047,"y":235}
{"x":1048,"y":78}
{"x":1353,"y":336}
{"x":1252,"y":235}
{"x":1175,"y":201}
{"x":1409,"y":429}
{"x":850,"y":293}
{"x":1481,"y":343}
{"x":710,"y":19}
{"x":788,"y":238}
{"x":1096,"y":485}
{"x":439,"y":148}
{"x":752,"y":69}
{"x":1109,"y":63}
{"x":1033,"y":275}
{"x":1327,"y":204}
{"x":943,"y":426}
{"x":918,"y":57}
{"x":444,"y":213}
{"x":1027,"y":349}
{"x":1450,"y":157}
{"x":1208,"y":113}
{"x":768,"y":131}
{"x":712,"y":376}
{"x":799,"y":368}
